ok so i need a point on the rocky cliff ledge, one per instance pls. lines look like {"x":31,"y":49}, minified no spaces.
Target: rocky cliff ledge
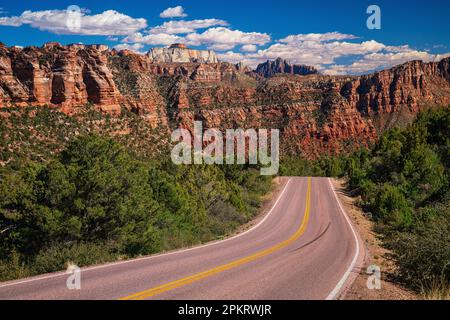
{"x":66,"y":76}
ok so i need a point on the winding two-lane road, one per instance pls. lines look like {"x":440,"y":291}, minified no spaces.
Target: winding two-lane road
{"x":304,"y":248}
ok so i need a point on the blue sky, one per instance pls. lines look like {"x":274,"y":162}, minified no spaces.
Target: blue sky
{"x":329,"y":35}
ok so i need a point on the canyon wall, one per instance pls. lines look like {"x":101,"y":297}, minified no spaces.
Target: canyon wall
{"x":316,"y":114}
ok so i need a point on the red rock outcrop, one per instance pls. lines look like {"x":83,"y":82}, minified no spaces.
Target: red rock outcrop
{"x":55,"y":75}
{"x":396,"y":95}
{"x":137,"y":86}
{"x":412,"y":84}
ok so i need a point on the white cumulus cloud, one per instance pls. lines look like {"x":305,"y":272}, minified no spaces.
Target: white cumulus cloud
{"x":186,"y":26}
{"x":109,"y":22}
{"x":318,"y":37}
{"x":232,"y":57}
{"x":323,"y":50}
{"x":249,"y":48}
{"x":175,"y":12}
{"x":222,"y":38}
{"x":136,"y":47}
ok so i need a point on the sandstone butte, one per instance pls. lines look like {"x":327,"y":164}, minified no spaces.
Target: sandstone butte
{"x":316,"y":114}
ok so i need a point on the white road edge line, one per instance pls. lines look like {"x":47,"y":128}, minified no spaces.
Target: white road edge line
{"x":54,"y":275}
{"x":333,"y":294}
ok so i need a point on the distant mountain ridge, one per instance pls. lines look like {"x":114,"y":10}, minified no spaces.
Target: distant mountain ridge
{"x":279,"y":66}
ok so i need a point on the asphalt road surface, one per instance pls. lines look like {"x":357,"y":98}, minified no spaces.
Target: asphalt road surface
{"x":304,"y":248}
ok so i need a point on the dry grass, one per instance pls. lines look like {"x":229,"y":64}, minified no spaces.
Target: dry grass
{"x":439,"y":290}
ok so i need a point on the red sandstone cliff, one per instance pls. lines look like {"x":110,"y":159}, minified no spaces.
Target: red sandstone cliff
{"x":315,"y":113}
{"x":279,"y":66}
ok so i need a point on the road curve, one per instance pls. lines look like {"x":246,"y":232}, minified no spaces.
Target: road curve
{"x":304,"y":248}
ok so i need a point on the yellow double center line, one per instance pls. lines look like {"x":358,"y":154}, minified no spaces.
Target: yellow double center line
{"x":196,"y":277}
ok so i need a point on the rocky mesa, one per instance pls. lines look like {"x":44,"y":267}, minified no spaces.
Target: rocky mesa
{"x":279,"y":66}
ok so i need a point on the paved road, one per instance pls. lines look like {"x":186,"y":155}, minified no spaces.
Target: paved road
{"x":304,"y":248}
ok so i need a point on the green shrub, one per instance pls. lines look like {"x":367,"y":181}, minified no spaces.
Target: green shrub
{"x":392,"y":207}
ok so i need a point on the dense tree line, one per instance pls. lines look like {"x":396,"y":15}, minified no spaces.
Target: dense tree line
{"x":96,"y":202}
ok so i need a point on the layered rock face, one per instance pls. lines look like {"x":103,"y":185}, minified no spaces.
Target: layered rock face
{"x":279,"y":66}
{"x":408,"y":84}
{"x":55,"y":75}
{"x":316,"y":114}
{"x":181,"y":54}
{"x":394,"y":95}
